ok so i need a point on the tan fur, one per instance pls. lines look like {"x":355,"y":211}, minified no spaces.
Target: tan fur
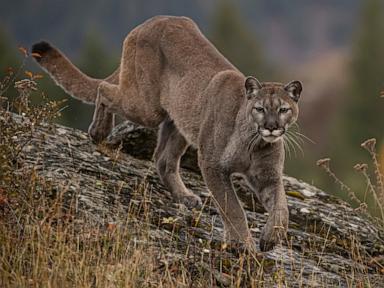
{"x":170,"y":74}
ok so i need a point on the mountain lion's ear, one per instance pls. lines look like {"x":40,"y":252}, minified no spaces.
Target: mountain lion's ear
{"x":252,"y":85}
{"x":294,"y":89}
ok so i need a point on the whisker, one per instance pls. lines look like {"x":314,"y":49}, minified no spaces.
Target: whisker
{"x":298,"y":145}
{"x":286,"y":147}
{"x":297,"y":137}
{"x":305,"y":137}
{"x":252,"y":143}
{"x":296,"y":125}
{"x":249,"y":144}
{"x":253,"y":137}
{"x":289,"y":142}
{"x":295,"y":128}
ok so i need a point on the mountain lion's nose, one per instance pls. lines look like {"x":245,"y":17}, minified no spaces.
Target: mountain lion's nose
{"x":271,"y":125}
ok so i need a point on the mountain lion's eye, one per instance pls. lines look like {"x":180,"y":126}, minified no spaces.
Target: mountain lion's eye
{"x":284,"y":110}
{"x":259,"y":109}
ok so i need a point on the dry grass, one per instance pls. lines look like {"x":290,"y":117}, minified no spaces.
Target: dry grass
{"x":44,"y":242}
{"x":374,"y":180}
{"x":45,"y":248}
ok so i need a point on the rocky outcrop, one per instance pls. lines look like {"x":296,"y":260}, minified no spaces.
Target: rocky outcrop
{"x":329,"y":243}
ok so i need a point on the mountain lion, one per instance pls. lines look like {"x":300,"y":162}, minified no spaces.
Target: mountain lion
{"x":171,"y":76}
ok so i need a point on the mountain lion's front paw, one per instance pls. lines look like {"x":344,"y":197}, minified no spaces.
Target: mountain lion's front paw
{"x":275,"y":230}
{"x":191,"y":201}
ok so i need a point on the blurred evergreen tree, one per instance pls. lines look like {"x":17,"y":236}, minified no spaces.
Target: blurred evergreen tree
{"x":365,"y":110}
{"x":8,"y":53}
{"x":236,"y":41}
{"x":363,"y":116}
{"x":363,"y":113}
{"x":8,"y":60}
{"x":95,"y":60}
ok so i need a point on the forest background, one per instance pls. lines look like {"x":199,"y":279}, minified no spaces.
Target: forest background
{"x":336,"y":48}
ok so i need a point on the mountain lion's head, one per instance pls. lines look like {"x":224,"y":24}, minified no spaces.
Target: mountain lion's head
{"x":272,"y":107}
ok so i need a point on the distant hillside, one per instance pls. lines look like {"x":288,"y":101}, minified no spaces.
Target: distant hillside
{"x":287,"y":29}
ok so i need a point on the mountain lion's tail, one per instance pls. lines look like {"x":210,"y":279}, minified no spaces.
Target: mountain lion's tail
{"x":67,"y":75}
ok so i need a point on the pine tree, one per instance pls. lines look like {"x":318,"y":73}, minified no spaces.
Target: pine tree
{"x":8,"y":54}
{"x":95,"y":60}
{"x":235,"y":40}
{"x":363,"y":113}
{"x":8,"y":60}
{"x":365,"y":110}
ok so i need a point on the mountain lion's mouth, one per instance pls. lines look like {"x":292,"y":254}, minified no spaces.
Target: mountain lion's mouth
{"x":271,"y":138}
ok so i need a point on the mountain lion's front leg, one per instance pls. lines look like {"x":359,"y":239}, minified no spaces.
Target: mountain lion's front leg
{"x":102,"y":123}
{"x":229,"y":206}
{"x":269,"y":190}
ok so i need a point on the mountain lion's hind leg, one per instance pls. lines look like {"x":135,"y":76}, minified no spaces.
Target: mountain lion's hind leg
{"x":126,"y":102}
{"x":102,"y":123}
{"x":103,"y":120}
{"x":136,"y":96}
{"x":170,"y":147}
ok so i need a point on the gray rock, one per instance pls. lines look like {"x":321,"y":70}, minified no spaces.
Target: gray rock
{"x":140,"y":142}
{"x":328,"y":241}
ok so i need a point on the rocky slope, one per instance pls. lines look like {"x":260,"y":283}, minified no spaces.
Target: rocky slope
{"x":329,"y":243}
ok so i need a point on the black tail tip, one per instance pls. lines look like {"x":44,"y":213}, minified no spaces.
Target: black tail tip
{"x":41,"y":48}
